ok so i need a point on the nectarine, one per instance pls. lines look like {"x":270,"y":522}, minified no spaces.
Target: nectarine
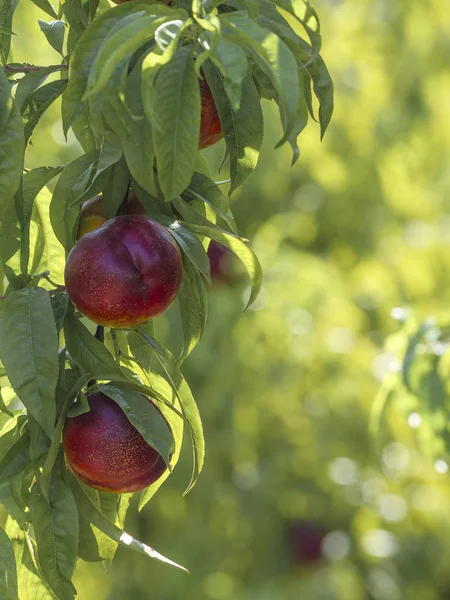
{"x":124,"y":273}
{"x":210,"y":127}
{"x":106,"y":452}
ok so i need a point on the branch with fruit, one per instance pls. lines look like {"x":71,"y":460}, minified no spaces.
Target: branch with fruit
{"x":98,"y":403}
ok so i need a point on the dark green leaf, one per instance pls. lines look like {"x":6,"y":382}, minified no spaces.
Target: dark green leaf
{"x":38,"y":103}
{"x":87,"y":352}
{"x":191,"y":247}
{"x":7,"y":8}
{"x":12,"y":145}
{"x":114,"y":532}
{"x":56,"y":529}
{"x":193,"y":303}
{"x":60,"y":303}
{"x":187,"y":402}
{"x":8,"y":571}
{"x":143,"y":415}
{"x":46,"y":7}
{"x":243,"y":130}
{"x":74,"y":180}
{"x":242,"y":251}
{"x":54,"y":32}
{"x":29,"y":351}
{"x":176,"y":122}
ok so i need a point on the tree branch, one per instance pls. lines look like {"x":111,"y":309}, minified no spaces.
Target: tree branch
{"x":29,"y":68}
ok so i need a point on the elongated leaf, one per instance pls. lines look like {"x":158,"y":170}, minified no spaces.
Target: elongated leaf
{"x":232,"y":63}
{"x":46,"y":7}
{"x":12,"y":145}
{"x":53,"y":254}
{"x":52,"y":455}
{"x":305,"y":13}
{"x":30,"y":582}
{"x":16,"y":459}
{"x":124,"y":39}
{"x":144,"y":416}
{"x":204,"y":189}
{"x":74,"y":180}
{"x":176,"y":122}
{"x":29,"y":351}
{"x":87,"y":352}
{"x":7,"y":8}
{"x":56,"y":529}
{"x":29,"y":83}
{"x":242,"y":251}
{"x":187,"y":402}
{"x":312,"y":66}
{"x":191,"y":247}
{"x":82,"y":60}
{"x":193,"y":304}
{"x":8,"y":571}
{"x":54,"y":32}
{"x":160,"y":385}
{"x":38,"y":103}
{"x":115,"y":533}
{"x":274,"y":58}
{"x":243,"y":130}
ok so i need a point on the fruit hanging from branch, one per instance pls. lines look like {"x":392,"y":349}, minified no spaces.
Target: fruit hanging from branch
{"x":106,"y":452}
{"x":124,"y":273}
{"x":122,"y":235}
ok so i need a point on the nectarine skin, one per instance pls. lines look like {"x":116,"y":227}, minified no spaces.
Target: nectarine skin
{"x":125,"y":272}
{"x":106,"y":452}
{"x":210,"y":127}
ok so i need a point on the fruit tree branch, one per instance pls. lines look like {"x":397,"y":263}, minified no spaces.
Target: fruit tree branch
{"x":29,"y":68}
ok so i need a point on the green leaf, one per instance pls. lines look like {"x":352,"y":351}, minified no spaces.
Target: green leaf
{"x":56,"y":442}
{"x":175,"y":120}
{"x":8,"y":571}
{"x":12,"y":145}
{"x":46,"y":7}
{"x":204,"y":189}
{"x":82,"y":60}
{"x":191,"y":247}
{"x":114,"y":532}
{"x":139,"y":152}
{"x":60,"y":303}
{"x":7,"y":8}
{"x":74,"y":180}
{"x":232,"y":63}
{"x":311,"y":66}
{"x":54,"y":32}
{"x":38,"y":103}
{"x":29,"y":83}
{"x":29,"y":352}
{"x":187,"y":402}
{"x":305,"y":13}
{"x":33,"y":182}
{"x":88,"y":352}
{"x":144,"y":417}
{"x":3,"y":407}
{"x":116,"y":189}
{"x":56,"y":528}
{"x":16,"y":459}
{"x":274,"y":58}
{"x":53,"y":256}
{"x":162,"y":388}
{"x":242,"y":251}
{"x":243,"y":129}
{"x":193,"y":304}
{"x":124,"y":39}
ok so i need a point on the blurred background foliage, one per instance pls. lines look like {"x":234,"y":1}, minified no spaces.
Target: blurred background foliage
{"x":327,"y":463}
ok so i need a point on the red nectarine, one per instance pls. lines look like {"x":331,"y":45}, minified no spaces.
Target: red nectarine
{"x":210,"y":127}
{"x":124,"y":273}
{"x":106,"y":452}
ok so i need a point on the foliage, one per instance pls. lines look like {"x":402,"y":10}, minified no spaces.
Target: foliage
{"x":128,"y":83}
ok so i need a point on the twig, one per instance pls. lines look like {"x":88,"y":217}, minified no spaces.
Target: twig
{"x":29,"y":68}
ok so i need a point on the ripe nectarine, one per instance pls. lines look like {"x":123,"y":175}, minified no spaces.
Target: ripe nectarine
{"x":124,"y":273}
{"x":210,"y":127}
{"x":106,"y":452}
